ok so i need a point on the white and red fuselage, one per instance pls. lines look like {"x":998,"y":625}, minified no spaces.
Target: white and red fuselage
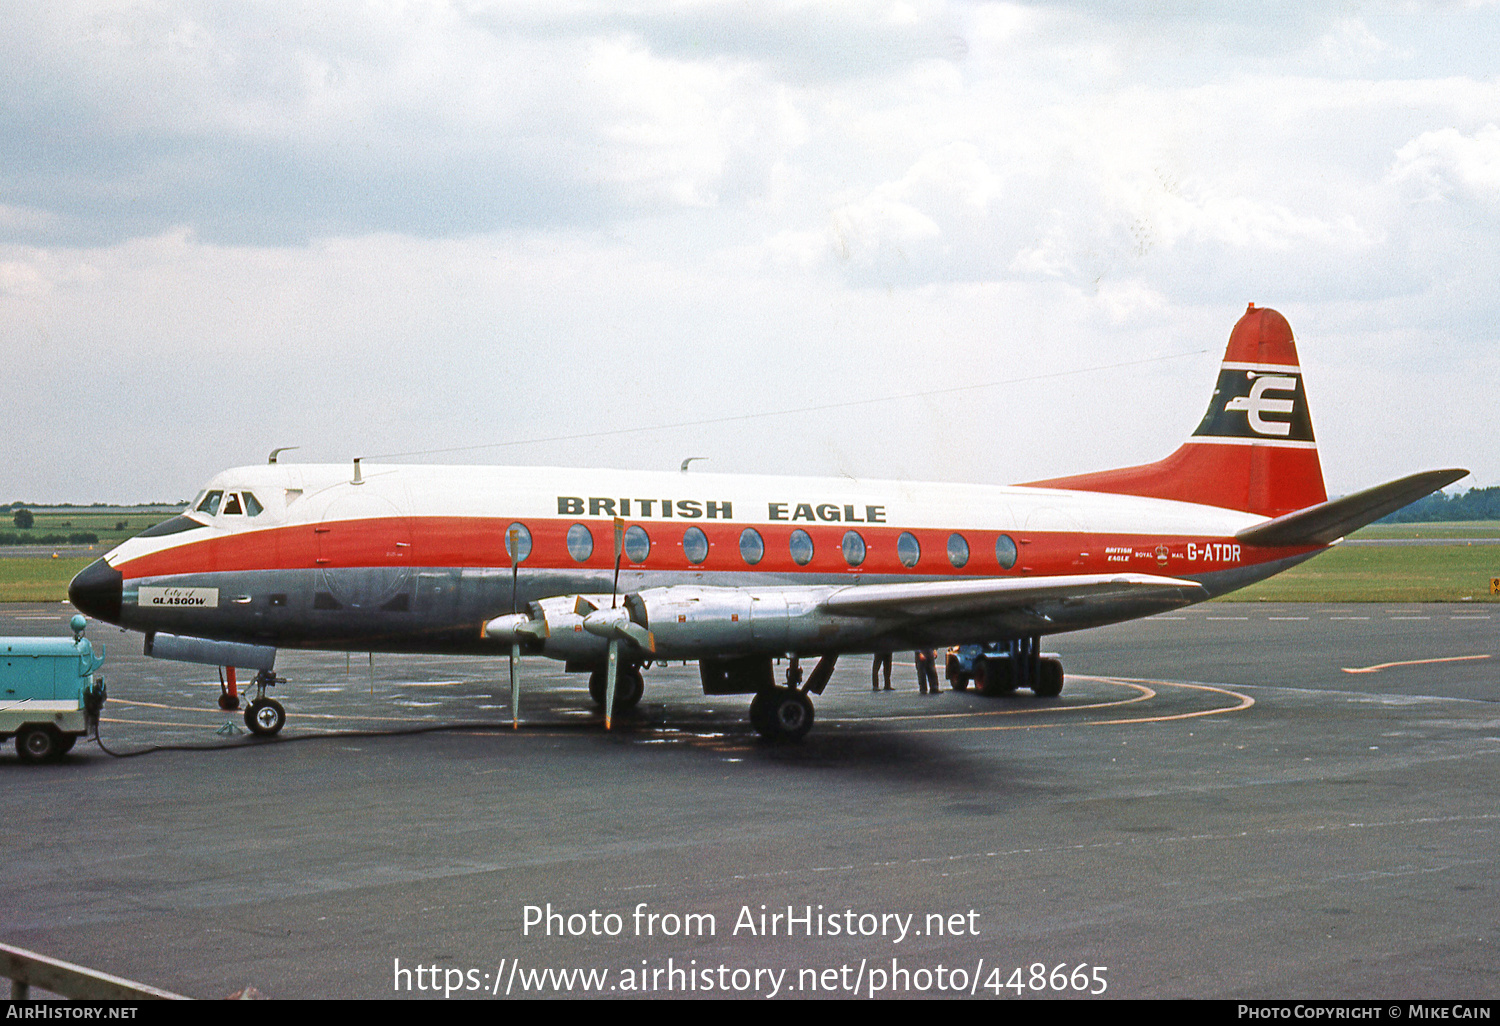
{"x":419,"y":558}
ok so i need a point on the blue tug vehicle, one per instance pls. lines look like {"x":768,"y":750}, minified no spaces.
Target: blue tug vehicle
{"x":50,"y":695}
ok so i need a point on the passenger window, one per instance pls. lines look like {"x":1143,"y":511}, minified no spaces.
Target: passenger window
{"x":908,"y":549}
{"x":958,"y":550}
{"x":518,"y":536}
{"x":210,"y":503}
{"x":1005,"y":551}
{"x":580,"y":542}
{"x":752,"y":546}
{"x":854,"y":548}
{"x":695,"y":545}
{"x":232,"y":505}
{"x":252,"y":506}
{"x":801,"y":546}
{"x":637,"y":543}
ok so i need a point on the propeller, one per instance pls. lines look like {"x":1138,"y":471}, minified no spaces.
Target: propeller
{"x":516,"y":628}
{"x":616,"y":625}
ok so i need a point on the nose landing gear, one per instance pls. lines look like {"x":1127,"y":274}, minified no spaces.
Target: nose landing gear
{"x":265,"y":716}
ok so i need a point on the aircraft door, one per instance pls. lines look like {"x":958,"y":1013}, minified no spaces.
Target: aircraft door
{"x":364,"y":550}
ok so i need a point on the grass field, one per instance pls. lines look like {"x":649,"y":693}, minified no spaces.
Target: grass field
{"x":112,"y":525}
{"x":1436,"y":529}
{"x":38,"y":580}
{"x":1419,"y":573}
{"x":1426,"y":573}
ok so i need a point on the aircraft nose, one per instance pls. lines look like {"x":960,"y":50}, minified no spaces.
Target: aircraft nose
{"x":96,"y":591}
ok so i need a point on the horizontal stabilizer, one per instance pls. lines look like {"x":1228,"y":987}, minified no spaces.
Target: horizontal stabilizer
{"x":941,"y":599}
{"x":1329,"y":521}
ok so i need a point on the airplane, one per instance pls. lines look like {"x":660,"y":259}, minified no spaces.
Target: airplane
{"x":613,"y":570}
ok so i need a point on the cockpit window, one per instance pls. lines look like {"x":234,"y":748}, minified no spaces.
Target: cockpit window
{"x":232,"y":507}
{"x":210,"y":503}
{"x":253,"y":508}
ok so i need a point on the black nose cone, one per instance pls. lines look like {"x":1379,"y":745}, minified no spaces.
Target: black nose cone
{"x":96,"y":591}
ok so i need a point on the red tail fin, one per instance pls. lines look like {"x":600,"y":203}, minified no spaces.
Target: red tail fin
{"x":1254,"y":450}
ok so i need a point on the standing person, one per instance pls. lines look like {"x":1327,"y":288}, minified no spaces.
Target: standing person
{"x":927,"y":682}
{"x":881,"y":659}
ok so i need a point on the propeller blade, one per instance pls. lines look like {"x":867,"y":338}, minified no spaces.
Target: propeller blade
{"x":515,"y":687}
{"x":610,"y":675}
{"x":619,"y":551}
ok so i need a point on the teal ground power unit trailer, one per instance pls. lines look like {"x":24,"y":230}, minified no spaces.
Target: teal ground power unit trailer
{"x":50,"y":695}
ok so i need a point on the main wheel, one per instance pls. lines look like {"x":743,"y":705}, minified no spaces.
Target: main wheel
{"x":760,"y":713}
{"x":228,"y":702}
{"x":629,"y":687}
{"x":788,"y":714}
{"x":265,"y":717}
{"x":1049,"y":678}
{"x":38,"y":742}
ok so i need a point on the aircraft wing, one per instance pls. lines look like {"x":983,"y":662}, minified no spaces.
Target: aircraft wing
{"x":1329,"y":521}
{"x":934,"y":600}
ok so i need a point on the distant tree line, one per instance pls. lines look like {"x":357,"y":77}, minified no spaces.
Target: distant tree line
{"x":76,"y":538}
{"x":1475,"y":504}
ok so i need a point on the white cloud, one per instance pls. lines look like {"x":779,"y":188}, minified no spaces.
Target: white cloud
{"x":399,"y":226}
{"x":1447,"y":162}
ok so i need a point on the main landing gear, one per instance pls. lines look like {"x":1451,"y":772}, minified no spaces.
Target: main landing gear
{"x":265,"y":716}
{"x":629,"y":688}
{"x":785,"y":713}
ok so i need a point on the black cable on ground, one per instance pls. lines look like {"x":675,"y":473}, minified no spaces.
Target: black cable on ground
{"x":256,"y":741}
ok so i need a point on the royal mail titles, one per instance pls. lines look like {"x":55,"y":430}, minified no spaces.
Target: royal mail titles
{"x":685,"y":509}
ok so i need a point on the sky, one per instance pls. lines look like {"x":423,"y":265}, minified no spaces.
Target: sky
{"x":380,"y":228}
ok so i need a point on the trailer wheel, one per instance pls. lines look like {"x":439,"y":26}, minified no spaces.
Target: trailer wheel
{"x":1049,"y":682}
{"x":38,"y":743}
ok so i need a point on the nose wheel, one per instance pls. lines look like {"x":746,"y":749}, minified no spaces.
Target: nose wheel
{"x":265,"y":716}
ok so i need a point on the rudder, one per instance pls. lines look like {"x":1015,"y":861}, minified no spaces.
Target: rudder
{"x":1254,"y":449}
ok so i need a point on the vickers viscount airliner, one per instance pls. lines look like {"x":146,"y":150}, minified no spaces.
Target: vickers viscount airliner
{"x":610,"y":570}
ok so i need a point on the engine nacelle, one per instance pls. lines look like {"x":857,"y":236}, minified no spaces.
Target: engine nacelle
{"x":691,"y":622}
{"x":566,"y":639}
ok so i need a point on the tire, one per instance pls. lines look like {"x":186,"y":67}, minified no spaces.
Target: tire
{"x":38,"y":742}
{"x":760,"y":714}
{"x":629,"y":687}
{"x":265,"y":717}
{"x":1049,"y":682}
{"x":228,"y":702}
{"x":960,"y":681}
{"x":791,"y":714}
{"x":992,"y":677}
